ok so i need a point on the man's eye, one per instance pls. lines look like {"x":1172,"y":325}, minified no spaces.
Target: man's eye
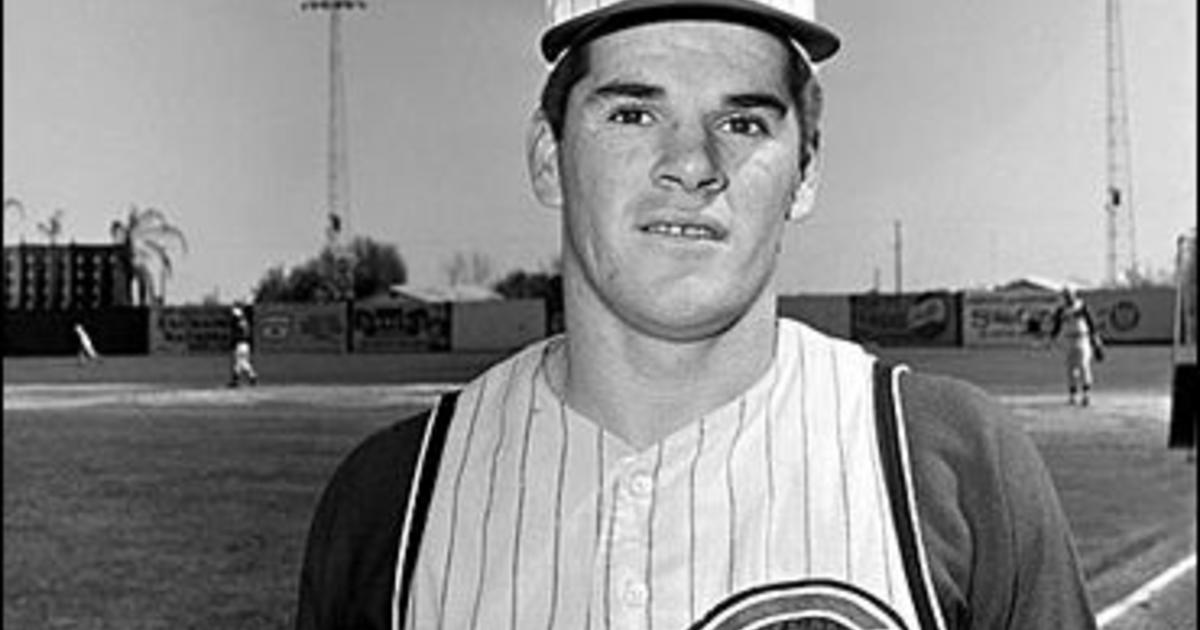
{"x":746,"y":126}
{"x":630,"y":116}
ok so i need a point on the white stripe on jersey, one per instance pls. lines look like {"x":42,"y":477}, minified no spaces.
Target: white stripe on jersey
{"x":541,"y":519}
{"x":922,"y":559}
{"x":409,"y":512}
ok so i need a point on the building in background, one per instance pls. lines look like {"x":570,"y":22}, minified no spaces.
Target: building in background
{"x":70,"y":277}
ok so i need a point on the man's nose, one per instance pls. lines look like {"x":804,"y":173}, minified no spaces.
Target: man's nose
{"x":690,"y":162}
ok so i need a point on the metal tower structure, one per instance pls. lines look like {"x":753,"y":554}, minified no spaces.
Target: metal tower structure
{"x":338,"y":227}
{"x":337,"y":192}
{"x":1118,"y":205}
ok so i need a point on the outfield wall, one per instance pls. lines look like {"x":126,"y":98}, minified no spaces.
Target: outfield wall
{"x":906,"y":319}
{"x":1007,"y":318}
{"x":1122,"y":316}
{"x":937,"y":318}
{"x":303,"y":328}
{"x":829,"y":314}
{"x":1133,"y":315}
{"x":496,"y":324}
{"x":400,"y":326}
{"x":203,"y":329}
{"x":114,"y":330}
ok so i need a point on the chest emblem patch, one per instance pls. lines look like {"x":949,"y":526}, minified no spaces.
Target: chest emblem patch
{"x":802,"y":605}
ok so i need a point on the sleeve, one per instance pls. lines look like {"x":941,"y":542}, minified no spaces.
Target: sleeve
{"x":999,"y":545}
{"x":1091,"y":322}
{"x":1056,"y":322}
{"x":1049,"y":590}
{"x":348,"y":572}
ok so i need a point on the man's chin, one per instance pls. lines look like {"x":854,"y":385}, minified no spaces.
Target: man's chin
{"x":688,"y":319}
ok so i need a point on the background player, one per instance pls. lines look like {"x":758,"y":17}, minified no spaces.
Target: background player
{"x":1073,"y":321}
{"x":86,"y":351}
{"x":241,"y":334}
{"x":681,"y":457}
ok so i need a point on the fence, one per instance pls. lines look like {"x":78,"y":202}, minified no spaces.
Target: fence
{"x":114,"y":330}
{"x":924,"y":319}
{"x":937,"y":318}
{"x":283,"y":328}
{"x":829,"y":314}
{"x":191,"y":329}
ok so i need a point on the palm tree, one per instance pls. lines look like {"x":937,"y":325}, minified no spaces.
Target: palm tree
{"x":52,"y":227}
{"x":146,"y":234}
{"x":15,"y":206}
{"x":14,"y":209}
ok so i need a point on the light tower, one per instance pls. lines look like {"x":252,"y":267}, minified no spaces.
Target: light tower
{"x":898,"y":254}
{"x":338,"y":227}
{"x":1118,"y":205}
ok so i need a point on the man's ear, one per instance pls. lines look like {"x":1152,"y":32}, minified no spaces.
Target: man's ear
{"x":805,"y":194}
{"x":541,"y":154}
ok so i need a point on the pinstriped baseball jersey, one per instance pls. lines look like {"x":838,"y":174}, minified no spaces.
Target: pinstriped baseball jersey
{"x":773,"y":509}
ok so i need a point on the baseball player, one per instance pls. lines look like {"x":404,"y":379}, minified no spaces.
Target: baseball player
{"x":86,"y":350}
{"x":241,"y":368}
{"x":681,"y":457}
{"x":1073,"y":322}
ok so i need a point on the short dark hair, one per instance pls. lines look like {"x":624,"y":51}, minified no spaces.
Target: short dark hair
{"x":802,"y":84}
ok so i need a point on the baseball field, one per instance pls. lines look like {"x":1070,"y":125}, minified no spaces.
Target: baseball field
{"x":142,"y":493}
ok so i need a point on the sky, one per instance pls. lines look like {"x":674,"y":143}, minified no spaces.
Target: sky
{"x":977,"y":127}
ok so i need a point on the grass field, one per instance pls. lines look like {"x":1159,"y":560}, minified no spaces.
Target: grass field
{"x":141,"y":494}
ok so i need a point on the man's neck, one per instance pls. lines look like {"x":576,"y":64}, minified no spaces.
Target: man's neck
{"x":643,"y":388}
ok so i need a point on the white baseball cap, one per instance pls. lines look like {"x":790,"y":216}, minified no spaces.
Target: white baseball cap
{"x":575,"y":21}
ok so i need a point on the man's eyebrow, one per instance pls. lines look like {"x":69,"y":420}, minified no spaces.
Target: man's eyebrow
{"x":626,"y":89}
{"x":756,"y":100}
{"x":637,"y":90}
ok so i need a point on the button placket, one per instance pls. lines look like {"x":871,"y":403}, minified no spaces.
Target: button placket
{"x":640,"y":485}
{"x":630,"y":546}
{"x":635,"y":594}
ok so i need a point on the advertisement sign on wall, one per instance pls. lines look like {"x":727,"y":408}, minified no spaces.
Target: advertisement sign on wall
{"x":282,"y":328}
{"x":190,"y":330}
{"x":401,"y":326}
{"x":925,"y":319}
{"x":1026,"y":317}
{"x":1007,"y":318}
{"x":1132,"y":315}
{"x":167,"y":331}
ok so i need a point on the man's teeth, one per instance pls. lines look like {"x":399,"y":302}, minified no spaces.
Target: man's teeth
{"x":682,"y":231}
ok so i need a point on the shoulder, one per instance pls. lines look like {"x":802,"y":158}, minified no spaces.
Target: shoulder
{"x":381,"y":456}
{"x":947,"y":414}
{"x":797,"y":337}
{"x":364,"y":494}
{"x":998,"y":542}
{"x":965,"y":444}
{"x":520,"y":366}
{"x":353,"y":539}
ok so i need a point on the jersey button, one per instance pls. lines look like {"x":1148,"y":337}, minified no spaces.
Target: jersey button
{"x":636,"y":594}
{"x":641,"y":485}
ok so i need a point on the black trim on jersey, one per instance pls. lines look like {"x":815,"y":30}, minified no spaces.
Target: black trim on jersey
{"x":735,"y":600}
{"x":426,"y":481}
{"x":893,"y":472}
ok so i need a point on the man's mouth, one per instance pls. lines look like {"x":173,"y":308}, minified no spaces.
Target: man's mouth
{"x":687,"y":231}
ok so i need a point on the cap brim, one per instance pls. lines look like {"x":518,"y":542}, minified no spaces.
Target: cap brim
{"x":819,"y":42}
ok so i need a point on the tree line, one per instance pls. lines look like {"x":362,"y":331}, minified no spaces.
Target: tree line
{"x":364,"y":268}
{"x":375,"y":267}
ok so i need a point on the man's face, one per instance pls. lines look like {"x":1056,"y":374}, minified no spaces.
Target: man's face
{"x":677,"y":166}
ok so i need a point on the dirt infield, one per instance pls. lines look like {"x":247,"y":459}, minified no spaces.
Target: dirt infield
{"x":79,"y":396}
{"x":142,"y":493}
